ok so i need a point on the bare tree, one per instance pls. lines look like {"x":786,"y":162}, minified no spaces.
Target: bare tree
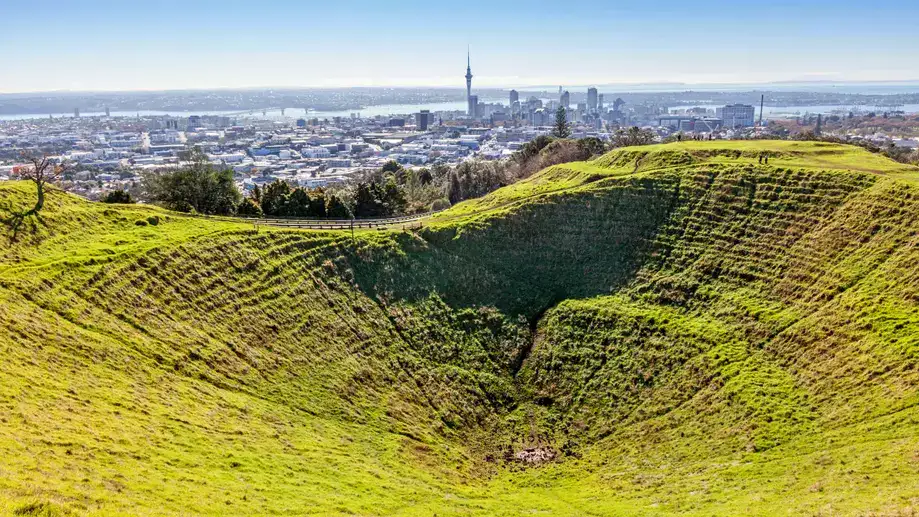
{"x":41,"y":172}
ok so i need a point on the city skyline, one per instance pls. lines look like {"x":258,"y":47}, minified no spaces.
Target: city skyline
{"x":103,"y":46}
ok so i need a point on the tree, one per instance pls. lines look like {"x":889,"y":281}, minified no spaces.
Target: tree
{"x":298,"y":204}
{"x":368,"y":200}
{"x":391,"y":167}
{"x":317,"y":205}
{"x":274,"y":198}
{"x":249,"y":208}
{"x":336,"y":208}
{"x":118,"y":196}
{"x":196,"y":187}
{"x":393,"y":198}
{"x":562,"y":151}
{"x":425,"y":177}
{"x":455,"y":189}
{"x":592,"y":146}
{"x":41,"y":172}
{"x":526,"y":159}
{"x":633,"y":136}
{"x":561,"y":129}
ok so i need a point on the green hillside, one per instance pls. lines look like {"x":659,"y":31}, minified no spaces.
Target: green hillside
{"x":665,"y":329}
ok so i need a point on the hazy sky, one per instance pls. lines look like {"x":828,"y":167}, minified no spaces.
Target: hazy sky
{"x":151,"y":44}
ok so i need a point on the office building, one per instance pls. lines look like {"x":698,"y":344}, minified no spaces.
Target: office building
{"x":565,"y":99}
{"x":737,"y":115}
{"x":592,"y":100}
{"x":473,"y":105}
{"x":76,"y":112}
{"x":423,"y":120}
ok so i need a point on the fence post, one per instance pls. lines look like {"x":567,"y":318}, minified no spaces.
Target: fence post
{"x":352,"y":231}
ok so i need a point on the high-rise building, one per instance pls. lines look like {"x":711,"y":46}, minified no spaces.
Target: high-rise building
{"x":76,"y":112}
{"x":423,"y":120}
{"x":515,"y":97}
{"x":592,"y":100}
{"x":108,"y":113}
{"x":471,"y":106}
{"x":737,"y":115}
{"x":600,"y":103}
{"x":565,"y":99}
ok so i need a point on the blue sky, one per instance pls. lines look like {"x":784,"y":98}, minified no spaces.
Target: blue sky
{"x":128,"y":45}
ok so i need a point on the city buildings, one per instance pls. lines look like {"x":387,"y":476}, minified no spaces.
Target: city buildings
{"x":113,"y":152}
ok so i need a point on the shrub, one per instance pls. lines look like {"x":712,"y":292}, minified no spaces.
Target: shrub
{"x":440,"y":204}
{"x":249,"y":208}
{"x":118,"y":196}
{"x":153,"y":220}
{"x":140,"y":222}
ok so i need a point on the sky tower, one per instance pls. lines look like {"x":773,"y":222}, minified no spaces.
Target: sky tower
{"x":469,"y":84}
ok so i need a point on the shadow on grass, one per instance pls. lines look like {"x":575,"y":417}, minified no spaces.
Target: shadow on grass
{"x":16,"y":221}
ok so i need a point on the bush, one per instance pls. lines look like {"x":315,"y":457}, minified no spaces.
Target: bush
{"x":140,"y":222}
{"x":249,"y":208}
{"x":440,"y":204}
{"x":475,"y":178}
{"x":153,"y":220}
{"x":118,"y":196}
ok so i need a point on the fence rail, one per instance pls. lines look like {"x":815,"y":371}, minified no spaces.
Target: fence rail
{"x":339,"y":224}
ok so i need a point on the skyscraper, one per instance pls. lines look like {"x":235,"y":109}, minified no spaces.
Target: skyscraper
{"x":592,"y":100}
{"x":565,"y":99}
{"x":423,"y":120}
{"x":471,"y":106}
{"x":515,"y":102}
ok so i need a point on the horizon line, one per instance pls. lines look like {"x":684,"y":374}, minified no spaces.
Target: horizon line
{"x":442,"y":87}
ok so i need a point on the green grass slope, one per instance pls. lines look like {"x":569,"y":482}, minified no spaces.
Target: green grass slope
{"x":680,"y":328}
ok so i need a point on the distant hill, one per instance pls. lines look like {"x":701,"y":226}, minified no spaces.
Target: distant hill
{"x":672,"y":329}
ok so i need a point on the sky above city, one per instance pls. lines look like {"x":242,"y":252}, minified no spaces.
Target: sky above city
{"x":163,"y":44}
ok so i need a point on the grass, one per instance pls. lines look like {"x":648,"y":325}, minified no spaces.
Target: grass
{"x":690,"y":332}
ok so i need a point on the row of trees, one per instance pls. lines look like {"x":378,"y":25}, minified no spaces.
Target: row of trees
{"x":279,"y":199}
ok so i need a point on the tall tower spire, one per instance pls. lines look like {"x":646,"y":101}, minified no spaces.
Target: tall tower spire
{"x":469,"y":83}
